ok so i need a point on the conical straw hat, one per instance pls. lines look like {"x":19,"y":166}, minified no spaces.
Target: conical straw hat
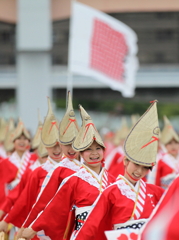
{"x":87,"y":134}
{"x":37,"y":138}
{"x":68,"y":126}
{"x":8,"y":143}
{"x":50,"y":129}
{"x":122,"y":133}
{"x":41,"y":150}
{"x":168,"y":133}
{"x":3,"y":129}
{"x":19,"y":130}
{"x":142,"y":142}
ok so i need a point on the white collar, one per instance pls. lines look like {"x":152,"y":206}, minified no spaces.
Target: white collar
{"x":52,"y":161}
{"x":98,"y":176}
{"x":135,"y":188}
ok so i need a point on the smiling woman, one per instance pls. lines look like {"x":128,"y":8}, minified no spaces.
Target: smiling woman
{"x":129,"y":198}
{"x":79,"y":190}
{"x":93,"y":156}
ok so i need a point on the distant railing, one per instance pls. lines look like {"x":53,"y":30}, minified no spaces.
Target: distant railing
{"x":147,"y":76}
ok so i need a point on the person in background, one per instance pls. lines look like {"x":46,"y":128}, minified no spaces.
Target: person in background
{"x":23,"y":205}
{"x":79,"y":191}
{"x":168,"y":165}
{"x":13,"y":167}
{"x":70,"y":164}
{"x":114,"y":161}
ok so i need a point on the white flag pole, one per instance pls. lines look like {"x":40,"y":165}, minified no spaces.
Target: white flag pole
{"x":70,"y":74}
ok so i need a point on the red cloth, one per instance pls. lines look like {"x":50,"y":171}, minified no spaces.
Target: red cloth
{"x":114,"y":162}
{"x":8,"y":172}
{"x":16,"y":192}
{"x":114,"y":207}
{"x":166,"y":216}
{"x":167,"y":169}
{"x":78,"y":191}
{"x":48,"y":193}
{"x":34,"y":157}
{"x":23,"y":205}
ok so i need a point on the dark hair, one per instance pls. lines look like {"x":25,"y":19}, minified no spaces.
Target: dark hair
{"x":149,"y":168}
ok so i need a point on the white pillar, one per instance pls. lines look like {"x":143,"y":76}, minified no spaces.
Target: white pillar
{"x":34,"y":43}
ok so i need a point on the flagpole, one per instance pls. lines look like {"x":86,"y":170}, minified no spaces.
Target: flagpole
{"x":70,"y":74}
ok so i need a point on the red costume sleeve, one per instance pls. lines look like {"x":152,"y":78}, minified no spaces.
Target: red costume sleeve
{"x":16,"y":192}
{"x":98,"y":220}
{"x":48,"y":193}
{"x":8,"y":172}
{"x":23,"y":205}
{"x":57,"y":212}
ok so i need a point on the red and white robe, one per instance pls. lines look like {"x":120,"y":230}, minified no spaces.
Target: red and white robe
{"x":114,"y":161}
{"x":78,"y":192}
{"x":16,"y":192}
{"x":11,"y":172}
{"x":54,"y":178}
{"x":119,"y":203}
{"x":23,"y":205}
{"x":167,"y":170}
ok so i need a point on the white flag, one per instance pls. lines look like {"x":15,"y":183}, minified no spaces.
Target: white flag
{"x":104,"y":48}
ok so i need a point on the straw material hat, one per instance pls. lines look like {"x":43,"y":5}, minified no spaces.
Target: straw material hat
{"x":68,"y":126}
{"x":87,"y":134}
{"x":122,"y":133}
{"x":168,"y":133}
{"x":142,"y":142}
{"x":41,"y":150}
{"x":3,"y":129}
{"x":19,"y":130}
{"x":8,"y":143}
{"x":37,"y":138}
{"x":50,"y":129}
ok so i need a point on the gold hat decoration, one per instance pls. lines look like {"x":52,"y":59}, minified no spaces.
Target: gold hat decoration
{"x":87,"y":133}
{"x":142,"y":142}
{"x":37,"y":137}
{"x":41,"y":150}
{"x":68,"y":126}
{"x":3,"y":129}
{"x":50,"y":129}
{"x":19,"y":130}
{"x":168,"y":133}
{"x":8,"y":143}
{"x":122,"y":133}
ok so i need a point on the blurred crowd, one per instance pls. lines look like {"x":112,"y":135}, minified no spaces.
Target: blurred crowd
{"x":71,"y":182}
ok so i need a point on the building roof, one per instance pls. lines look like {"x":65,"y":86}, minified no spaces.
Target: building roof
{"x":61,"y":8}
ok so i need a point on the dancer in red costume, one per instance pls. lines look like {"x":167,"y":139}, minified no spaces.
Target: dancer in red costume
{"x":13,"y":167}
{"x":130,"y":198}
{"x":114,"y":161}
{"x":79,"y":191}
{"x":50,"y":138}
{"x":168,"y":165}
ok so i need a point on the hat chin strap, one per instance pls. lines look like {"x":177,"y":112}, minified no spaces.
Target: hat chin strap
{"x":102,"y":160}
{"x":134,"y":179}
